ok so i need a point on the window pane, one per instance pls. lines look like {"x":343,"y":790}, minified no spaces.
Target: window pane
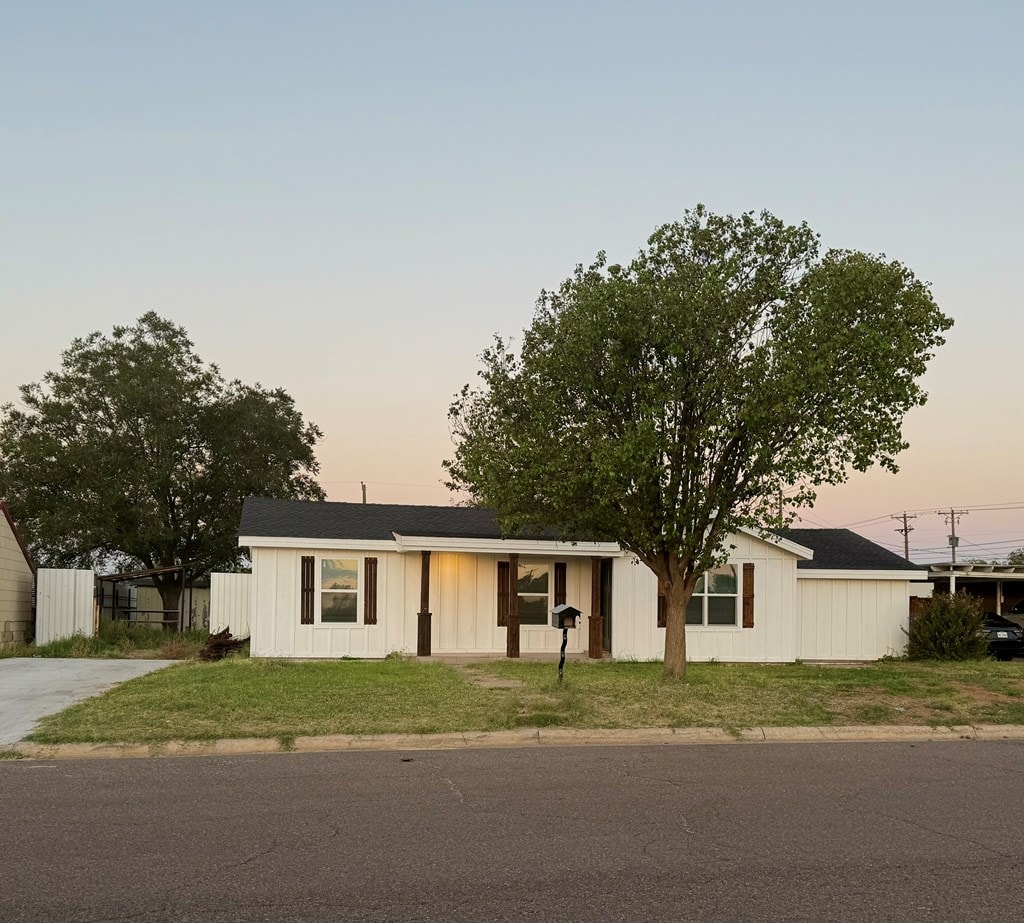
{"x":699,"y":588}
{"x":723,"y":579}
{"x":533,"y":610}
{"x":339,"y":574}
{"x":533,"y":578}
{"x":721,"y":610}
{"x":695,"y":610}
{"x":338,"y":607}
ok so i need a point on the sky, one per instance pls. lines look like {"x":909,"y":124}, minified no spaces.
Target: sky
{"x":349,"y":200}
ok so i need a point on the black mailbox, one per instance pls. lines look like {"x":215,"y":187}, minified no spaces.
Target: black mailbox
{"x":564,"y":616}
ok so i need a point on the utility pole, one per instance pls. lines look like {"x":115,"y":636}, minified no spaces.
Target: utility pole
{"x":952,"y":518}
{"x":905,"y":532}
{"x":363,"y":485}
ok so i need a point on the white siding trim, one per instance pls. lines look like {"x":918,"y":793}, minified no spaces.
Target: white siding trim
{"x":327,"y":544}
{"x":908,"y":575}
{"x":499,"y":546}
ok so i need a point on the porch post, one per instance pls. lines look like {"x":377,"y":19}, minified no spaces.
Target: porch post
{"x":423,"y":616}
{"x":596,"y":640}
{"x":512,"y":633}
{"x":999,"y":597}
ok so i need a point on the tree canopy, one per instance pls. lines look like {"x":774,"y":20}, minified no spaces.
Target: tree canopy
{"x":667,"y":403}
{"x":136,"y":454}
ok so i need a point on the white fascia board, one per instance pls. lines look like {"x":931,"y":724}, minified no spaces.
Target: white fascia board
{"x":331,"y":544}
{"x":784,"y":543}
{"x":810,"y":574}
{"x":503,"y":546}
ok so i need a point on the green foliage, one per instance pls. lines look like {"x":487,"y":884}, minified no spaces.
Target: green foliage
{"x":947,"y":628}
{"x":135,"y":454}
{"x":667,"y":403}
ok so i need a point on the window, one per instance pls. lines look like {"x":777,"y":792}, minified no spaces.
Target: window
{"x":714,"y":599}
{"x":532,"y":588}
{"x":339,"y":590}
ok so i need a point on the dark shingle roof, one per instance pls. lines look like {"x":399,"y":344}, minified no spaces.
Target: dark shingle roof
{"x":364,"y":521}
{"x":834,"y":549}
{"x":841,"y":549}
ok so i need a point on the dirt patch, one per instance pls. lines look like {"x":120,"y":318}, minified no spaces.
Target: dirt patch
{"x":979,"y":695}
{"x":487,"y":681}
{"x":865,"y":706}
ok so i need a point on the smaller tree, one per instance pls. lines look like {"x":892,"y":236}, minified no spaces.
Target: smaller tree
{"x":138,"y":455}
{"x":947,"y":628}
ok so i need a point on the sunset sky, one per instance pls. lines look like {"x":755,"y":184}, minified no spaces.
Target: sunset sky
{"x":349,"y":200}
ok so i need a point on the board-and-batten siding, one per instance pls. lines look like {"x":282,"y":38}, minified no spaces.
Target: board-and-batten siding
{"x":463,"y":600}
{"x":636,"y":636}
{"x":276,"y":631}
{"x":15,"y":588}
{"x":852,"y":619}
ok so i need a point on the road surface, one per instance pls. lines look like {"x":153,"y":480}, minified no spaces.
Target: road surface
{"x":816,"y":832}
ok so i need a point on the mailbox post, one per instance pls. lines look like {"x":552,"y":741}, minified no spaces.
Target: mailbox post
{"x":564,"y":617}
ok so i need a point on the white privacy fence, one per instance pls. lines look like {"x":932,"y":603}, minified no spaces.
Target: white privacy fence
{"x":230,"y":603}
{"x":64,"y":604}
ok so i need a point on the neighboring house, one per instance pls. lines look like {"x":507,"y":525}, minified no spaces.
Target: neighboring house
{"x":363,"y":580}
{"x":17,"y":583}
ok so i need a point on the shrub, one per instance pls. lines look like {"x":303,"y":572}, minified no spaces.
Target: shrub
{"x":947,"y":628}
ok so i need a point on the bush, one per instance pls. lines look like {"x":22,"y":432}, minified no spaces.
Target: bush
{"x":947,"y":628}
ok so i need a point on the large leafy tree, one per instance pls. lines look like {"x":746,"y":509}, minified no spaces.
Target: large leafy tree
{"x":136,"y":454}
{"x":668,"y":403}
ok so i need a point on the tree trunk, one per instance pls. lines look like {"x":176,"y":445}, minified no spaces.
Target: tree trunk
{"x":677,"y":591}
{"x":169,"y":588}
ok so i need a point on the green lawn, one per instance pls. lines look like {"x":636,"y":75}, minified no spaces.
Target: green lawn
{"x":239,"y":697}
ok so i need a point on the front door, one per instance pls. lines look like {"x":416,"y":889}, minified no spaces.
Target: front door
{"x":606,"y":603}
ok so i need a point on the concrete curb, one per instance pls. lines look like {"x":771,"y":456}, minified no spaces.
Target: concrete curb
{"x":525,"y":737}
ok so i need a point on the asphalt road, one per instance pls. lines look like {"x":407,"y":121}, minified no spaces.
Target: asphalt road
{"x":817,"y":832}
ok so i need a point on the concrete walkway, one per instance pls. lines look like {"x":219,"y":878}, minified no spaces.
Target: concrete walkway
{"x":33,"y":687}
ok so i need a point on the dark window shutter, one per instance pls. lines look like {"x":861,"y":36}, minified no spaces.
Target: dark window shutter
{"x":370,"y":591}
{"x":559,"y":583}
{"x":504,"y":581}
{"x":748,"y":595}
{"x":308,"y":586}
{"x":662,"y":611}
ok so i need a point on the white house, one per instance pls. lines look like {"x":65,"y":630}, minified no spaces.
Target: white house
{"x":363,"y":580}
{"x":17,"y":580}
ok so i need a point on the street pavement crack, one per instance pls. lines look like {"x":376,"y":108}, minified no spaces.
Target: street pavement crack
{"x":256,"y":855}
{"x":956,"y":838}
{"x":438,"y":772}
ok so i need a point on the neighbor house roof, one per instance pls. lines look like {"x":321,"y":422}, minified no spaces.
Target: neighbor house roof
{"x":841,"y":549}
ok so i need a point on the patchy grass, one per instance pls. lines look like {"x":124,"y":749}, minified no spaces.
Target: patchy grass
{"x":118,"y":639}
{"x":285,"y":699}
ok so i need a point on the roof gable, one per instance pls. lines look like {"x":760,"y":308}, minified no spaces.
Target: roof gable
{"x":841,"y":549}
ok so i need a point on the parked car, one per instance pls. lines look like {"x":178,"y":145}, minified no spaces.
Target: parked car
{"x":1005,"y":638}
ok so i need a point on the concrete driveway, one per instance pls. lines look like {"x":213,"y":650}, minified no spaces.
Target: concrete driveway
{"x":32,"y":687}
